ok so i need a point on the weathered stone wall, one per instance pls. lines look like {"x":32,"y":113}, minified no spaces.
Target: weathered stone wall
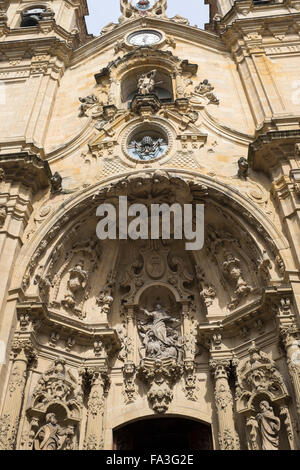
{"x":102,"y":333}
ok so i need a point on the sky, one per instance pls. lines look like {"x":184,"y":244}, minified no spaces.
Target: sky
{"x":103,"y":12}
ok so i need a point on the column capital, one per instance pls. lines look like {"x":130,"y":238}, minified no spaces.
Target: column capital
{"x":220,"y":367}
{"x":23,"y":349}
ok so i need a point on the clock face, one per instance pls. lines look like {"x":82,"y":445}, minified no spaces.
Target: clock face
{"x":143,"y":4}
{"x":144,"y":38}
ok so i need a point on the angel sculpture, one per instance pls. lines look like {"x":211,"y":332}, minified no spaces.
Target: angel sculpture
{"x":146,"y":83}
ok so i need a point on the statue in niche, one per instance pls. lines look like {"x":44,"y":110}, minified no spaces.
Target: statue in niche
{"x":269,"y":427}
{"x":146,"y":83}
{"x":77,"y":282}
{"x":51,"y":436}
{"x":160,"y":338}
{"x":232,"y":267}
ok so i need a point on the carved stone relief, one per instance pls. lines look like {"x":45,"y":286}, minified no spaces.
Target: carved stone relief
{"x":159,"y":334}
{"x":160,"y":375}
{"x":58,"y":384}
{"x":51,"y":436}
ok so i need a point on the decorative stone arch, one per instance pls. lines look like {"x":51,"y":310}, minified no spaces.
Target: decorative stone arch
{"x":190,"y":420}
{"x":45,"y":13}
{"x":71,"y":211}
{"x":172,"y":289}
{"x":134,"y":414}
{"x":130,"y":66}
{"x":57,"y":230}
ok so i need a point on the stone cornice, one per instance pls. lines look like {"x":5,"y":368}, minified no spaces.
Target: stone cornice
{"x":51,"y":45}
{"x":248,"y":316}
{"x":245,"y":11}
{"x":84,"y":333}
{"x":189,"y":33}
{"x":264,"y":31}
{"x":269,"y":148}
{"x":26,"y":168}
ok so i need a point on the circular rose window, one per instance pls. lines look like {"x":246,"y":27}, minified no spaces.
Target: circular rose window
{"x":147,"y":145}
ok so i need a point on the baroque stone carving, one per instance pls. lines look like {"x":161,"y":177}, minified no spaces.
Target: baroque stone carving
{"x":87,"y":103}
{"x":130,"y":389}
{"x":126,"y":343}
{"x":160,"y":337}
{"x":148,"y":148}
{"x":67,"y":280}
{"x":58,"y":384}
{"x":228,"y":438}
{"x":160,"y":375}
{"x":2,"y":175}
{"x":208,"y":295}
{"x":77,"y":282}
{"x":146,"y":83}
{"x":8,"y":432}
{"x":269,"y":426}
{"x":257,"y":374}
{"x":190,"y":387}
{"x":264,"y":266}
{"x":107,"y":116}
{"x":105,"y":299}
{"x":232,"y":268}
{"x":138,"y":8}
{"x":51,"y":436}
{"x":205,"y":91}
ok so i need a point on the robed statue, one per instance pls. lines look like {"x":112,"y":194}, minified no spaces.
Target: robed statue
{"x":269,"y":427}
{"x":51,"y":436}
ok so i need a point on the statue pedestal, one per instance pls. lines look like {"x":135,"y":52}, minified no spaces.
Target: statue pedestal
{"x":145,"y":104}
{"x":161,"y":375}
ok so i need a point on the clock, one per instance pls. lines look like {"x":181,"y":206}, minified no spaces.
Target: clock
{"x":144,"y":38}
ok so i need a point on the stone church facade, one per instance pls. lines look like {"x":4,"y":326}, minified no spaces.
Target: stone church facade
{"x":141,"y":344}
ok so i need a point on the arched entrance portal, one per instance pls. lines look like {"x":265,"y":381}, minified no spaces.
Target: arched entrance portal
{"x":163,"y":434}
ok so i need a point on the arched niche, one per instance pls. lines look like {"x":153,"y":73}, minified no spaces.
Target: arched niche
{"x":279,"y":409}
{"x":163,"y":80}
{"x":234,"y":209}
{"x":32,"y":15}
{"x":164,"y":433}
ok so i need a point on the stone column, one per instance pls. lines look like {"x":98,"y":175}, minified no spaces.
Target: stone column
{"x":290,"y":336}
{"x":130,"y":316}
{"x":228,"y":438}
{"x":23,"y":355}
{"x":22,"y":176}
{"x":284,"y":412}
{"x":94,"y":436}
